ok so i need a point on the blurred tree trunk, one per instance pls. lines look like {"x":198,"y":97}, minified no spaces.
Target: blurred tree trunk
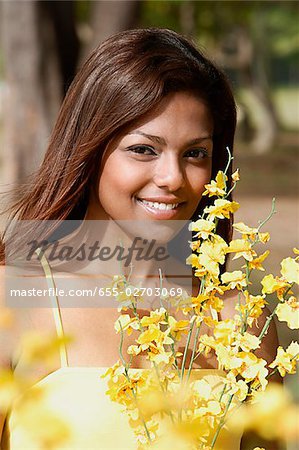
{"x":248,"y":57}
{"x":187,"y":18}
{"x":63,"y":19}
{"x":109,"y":17}
{"x":25,"y":119}
{"x":40,"y":52}
{"x":266,"y":137}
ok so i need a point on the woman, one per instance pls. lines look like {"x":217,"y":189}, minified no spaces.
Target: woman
{"x":144,"y":126}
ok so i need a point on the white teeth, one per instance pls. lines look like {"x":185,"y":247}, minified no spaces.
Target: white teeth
{"x":160,"y":206}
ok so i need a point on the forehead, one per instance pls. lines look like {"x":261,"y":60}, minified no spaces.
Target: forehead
{"x":177,"y":112}
{"x":179,"y":118}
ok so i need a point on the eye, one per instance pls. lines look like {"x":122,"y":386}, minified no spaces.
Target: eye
{"x":197,"y":153}
{"x":142,"y":150}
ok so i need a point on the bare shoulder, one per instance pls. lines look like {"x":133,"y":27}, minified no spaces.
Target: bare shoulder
{"x":230,"y":300}
{"x":3,"y":305}
{"x":8,"y":325}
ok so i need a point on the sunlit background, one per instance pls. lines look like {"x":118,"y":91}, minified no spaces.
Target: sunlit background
{"x":255,"y":42}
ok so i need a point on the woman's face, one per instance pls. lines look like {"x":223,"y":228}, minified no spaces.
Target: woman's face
{"x":158,"y":169}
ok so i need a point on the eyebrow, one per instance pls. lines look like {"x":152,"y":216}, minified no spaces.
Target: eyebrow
{"x":161,"y":141}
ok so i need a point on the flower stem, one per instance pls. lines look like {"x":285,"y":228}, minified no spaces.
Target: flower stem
{"x":186,"y":349}
{"x":129,"y":380}
{"x":267,"y":324}
{"x":272,"y":212}
{"x":121,"y":347}
{"x":230,"y":158}
{"x":222,"y":422}
{"x":193,"y":352}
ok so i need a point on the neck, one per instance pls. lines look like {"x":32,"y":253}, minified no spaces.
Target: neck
{"x":128,"y":250}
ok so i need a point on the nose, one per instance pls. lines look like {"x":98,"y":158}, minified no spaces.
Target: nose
{"x":169,"y":173}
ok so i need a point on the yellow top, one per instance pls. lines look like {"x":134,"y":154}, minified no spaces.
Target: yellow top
{"x":76,"y":414}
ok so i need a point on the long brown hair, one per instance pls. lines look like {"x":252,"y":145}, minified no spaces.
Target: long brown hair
{"x":124,"y":78}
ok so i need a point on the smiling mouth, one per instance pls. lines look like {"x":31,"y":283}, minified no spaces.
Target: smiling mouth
{"x":164,"y":210}
{"x":159,"y":205}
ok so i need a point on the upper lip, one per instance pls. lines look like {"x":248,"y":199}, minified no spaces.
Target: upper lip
{"x":166,"y":200}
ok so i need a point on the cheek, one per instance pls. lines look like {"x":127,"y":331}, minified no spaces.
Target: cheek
{"x":198,"y":178}
{"x":118,"y":183}
{"x":110,"y":188}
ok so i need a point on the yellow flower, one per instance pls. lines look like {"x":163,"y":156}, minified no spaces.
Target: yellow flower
{"x":121,"y":388}
{"x":236,"y":279}
{"x":216,"y":187}
{"x":227,"y":358}
{"x":215,"y":249}
{"x":212,"y":254}
{"x":202,"y":389}
{"x":204,"y":228}
{"x":194,"y":245}
{"x":180,"y":301}
{"x":246,"y":341}
{"x":264,"y":237}
{"x":296,"y":251}
{"x":268,"y":405}
{"x":236,"y":176}
{"x":200,"y":272}
{"x":142,"y":439}
{"x":289,"y":312}
{"x":223,"y":331}
{"x":153,"y":333}
{"x":126,"y":323}
{"x":208,"y":321}
{"x":293,"y":350}
{"x":178,"y":327}
{"x":256,"y":263}
{"x":206,"y":343}
{"x":155,"y":317}
{"x":45,"y":347}
{"x":212,"y":286}
{"x":149,"y":399}
{"x":120,"y":283}
{"x":136,"y":349}
{"x":271,"y":284}
{"x":238,"y":388}
{"x":213,"y":407}
{"x":158,"y":355}
{"x":11,"y":386}
{"x":242,"y":248}
{"x":198,"y":301}
{"x":290,"y":270}
{"x":253,"y":368}
{"x":245,"y":229}
{"x":213,"y":302}
{"x":221,"y":209}
{"x":193,"y":261}
{"x":253,"y":307}
{"x":285,"y":360}
{"x":114,"y":372}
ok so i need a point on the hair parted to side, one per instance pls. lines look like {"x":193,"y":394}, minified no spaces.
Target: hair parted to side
{"x":124,"y":78}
